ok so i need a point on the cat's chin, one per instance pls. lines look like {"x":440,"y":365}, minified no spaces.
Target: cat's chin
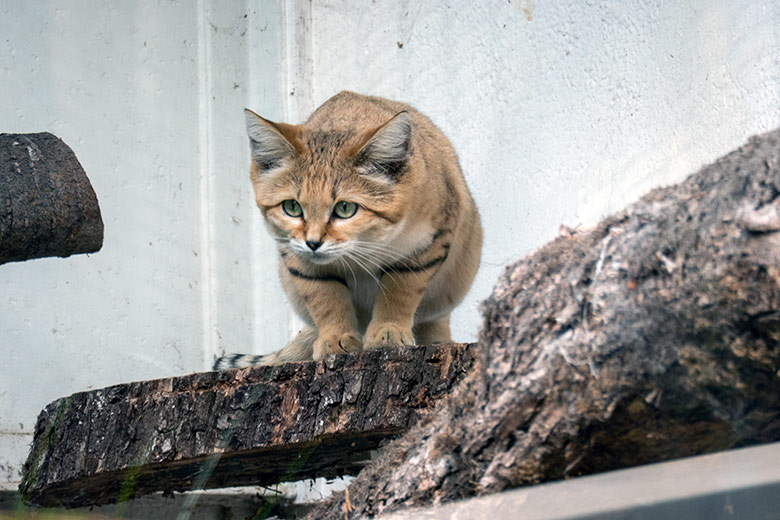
{"x":317,"y":258}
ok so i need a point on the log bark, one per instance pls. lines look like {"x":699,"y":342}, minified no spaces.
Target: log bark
{"x":253,"y":426}
{"x":653,"y":336}
{"x":47,"y":205}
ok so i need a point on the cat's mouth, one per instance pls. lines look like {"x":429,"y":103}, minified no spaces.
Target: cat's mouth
{"x":324,"y":254}
{"x":317,"y":258}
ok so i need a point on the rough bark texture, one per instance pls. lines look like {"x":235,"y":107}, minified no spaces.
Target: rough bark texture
{"x":47,"y":205}
{"x":254,"y":426}
{"x":653,"y":336}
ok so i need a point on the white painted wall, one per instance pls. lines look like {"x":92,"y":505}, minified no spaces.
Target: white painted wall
{"x":149,"y":95}
{"x":561,"y":112}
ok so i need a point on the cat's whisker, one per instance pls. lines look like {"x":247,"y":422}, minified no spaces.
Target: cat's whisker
{"x":367,"y":269}
{"x":363,"y":264}
{"x":372,"y":261}
{"x":391,"y":253}
{"x":271,"y":253}
{"x":369,"y":259}
{"x":379,"y":266}
{"x":345,"y":264}
{"x":379,"y":256}
{"x":382,"y":247}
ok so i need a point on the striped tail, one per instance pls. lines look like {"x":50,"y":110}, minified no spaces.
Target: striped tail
{"x":299,"y":349}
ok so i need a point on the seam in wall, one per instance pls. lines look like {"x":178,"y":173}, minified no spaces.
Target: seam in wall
{"x":207,"y":274}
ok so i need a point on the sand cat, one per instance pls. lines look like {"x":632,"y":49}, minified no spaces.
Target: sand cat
{"x":378,"y":235}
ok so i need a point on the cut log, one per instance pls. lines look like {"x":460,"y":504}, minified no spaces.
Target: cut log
{"x":252,"y":426}
{"x":654,"y":336}
{"x":47,"y":205}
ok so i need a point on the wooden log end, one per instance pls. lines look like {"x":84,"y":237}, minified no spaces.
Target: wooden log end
{"x":251,"y":426}
{"x":47,"y":204}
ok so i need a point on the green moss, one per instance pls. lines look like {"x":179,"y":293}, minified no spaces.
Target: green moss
{"x":41,"y":450}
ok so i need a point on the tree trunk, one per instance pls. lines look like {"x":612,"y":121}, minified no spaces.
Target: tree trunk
{"x":654,"y":336}
{"x":47,"y":205}
{"x":254,"y":426}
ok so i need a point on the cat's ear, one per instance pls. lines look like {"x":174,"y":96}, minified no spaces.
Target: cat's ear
{"x":388,"y":149}
{"x":272,"y":144}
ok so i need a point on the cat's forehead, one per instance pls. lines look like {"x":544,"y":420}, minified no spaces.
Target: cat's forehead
{"x":326,"y":171}
{"x":333,"y":180}
{"x":325,"y":158}
{"x":328,"y":142}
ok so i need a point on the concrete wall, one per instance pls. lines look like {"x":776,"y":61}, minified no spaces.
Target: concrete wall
{"x":149,"y":96}
{"x":561,"y":112}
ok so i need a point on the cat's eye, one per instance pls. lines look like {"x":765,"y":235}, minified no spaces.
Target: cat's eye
{"x":292,"y":208}
{"x":344,"y":209}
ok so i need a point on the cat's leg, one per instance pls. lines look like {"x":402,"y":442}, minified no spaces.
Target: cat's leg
{"x":337,"y":336}
{"x":432,"y":332}
{"x":404,"y":285}
{"x":325,"y":301}
{"x":393,"y":316}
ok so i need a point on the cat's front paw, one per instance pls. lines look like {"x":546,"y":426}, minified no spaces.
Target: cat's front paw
{"x":388,"y":335}
{"x":336,"y":343}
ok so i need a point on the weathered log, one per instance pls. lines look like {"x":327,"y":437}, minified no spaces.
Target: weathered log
{"x":47,"y":205}
{"x":253,"y":426}
{"x":654,"y":336}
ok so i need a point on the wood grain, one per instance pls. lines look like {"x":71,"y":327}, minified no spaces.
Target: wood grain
{"x":47,"y":204}
{"x":252,"y":426}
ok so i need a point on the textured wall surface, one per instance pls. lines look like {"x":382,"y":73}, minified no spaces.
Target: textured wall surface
{"x":560,"y":111}
{"x":149,"y":96}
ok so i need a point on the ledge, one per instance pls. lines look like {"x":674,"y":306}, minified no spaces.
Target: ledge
{"x":743,"y":483}
{"x":258,"y":425}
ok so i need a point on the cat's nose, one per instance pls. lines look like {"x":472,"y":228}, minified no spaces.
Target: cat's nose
{"x":313,"y":244}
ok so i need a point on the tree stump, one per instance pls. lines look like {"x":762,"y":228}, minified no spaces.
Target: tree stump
{"x":252,"y":426}
{"x":654,"y":336}
{"x":47,"y":205}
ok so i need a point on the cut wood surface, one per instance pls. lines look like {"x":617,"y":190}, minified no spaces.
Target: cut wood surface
{"x":653,"y":336}
{"x":252,"y":426}
{"x":47,"y":205}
